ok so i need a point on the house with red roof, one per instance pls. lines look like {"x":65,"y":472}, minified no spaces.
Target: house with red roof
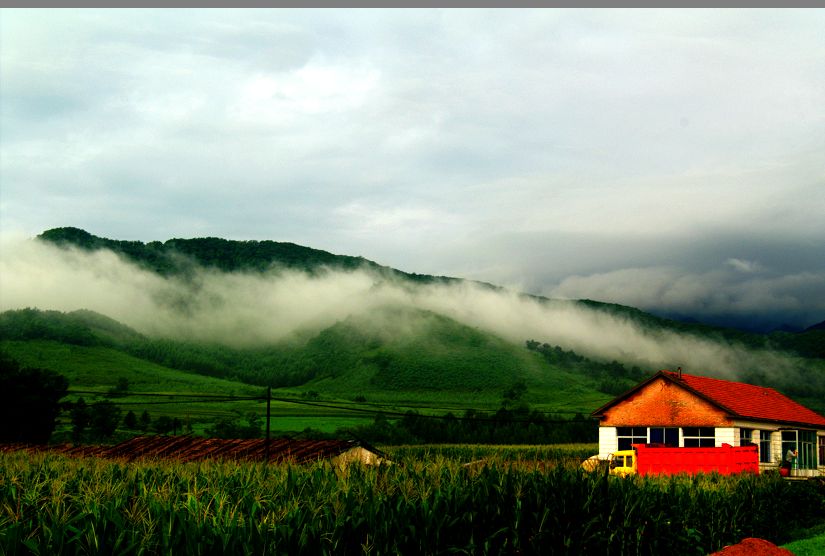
{"x":681,"y":410}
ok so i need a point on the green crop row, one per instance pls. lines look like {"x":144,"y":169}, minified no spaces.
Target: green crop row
{"x":50,"y":504}
{"x":567,"y":454}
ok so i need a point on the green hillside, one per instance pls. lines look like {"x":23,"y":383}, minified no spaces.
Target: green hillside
{"x":339,"y":378}
{"x":396,"y":357}
{"x":99,"y":368}
{"x":412,"y":356}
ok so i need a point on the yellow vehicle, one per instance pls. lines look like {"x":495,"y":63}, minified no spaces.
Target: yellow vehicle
{"x":623,"y":463}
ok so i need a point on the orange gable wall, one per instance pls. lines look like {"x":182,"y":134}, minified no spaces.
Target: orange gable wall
{"x":662,"y":403}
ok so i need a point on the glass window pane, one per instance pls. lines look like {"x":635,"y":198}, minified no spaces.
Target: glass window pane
{"x":807,"y":449}
{"x":765,"y":446}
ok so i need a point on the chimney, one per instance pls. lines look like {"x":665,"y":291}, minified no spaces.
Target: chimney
{"x":679,"y":370}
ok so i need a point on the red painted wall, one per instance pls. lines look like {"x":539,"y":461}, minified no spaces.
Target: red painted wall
{"x":725,"y":460}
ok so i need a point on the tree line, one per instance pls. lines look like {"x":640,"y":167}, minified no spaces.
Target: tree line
{"x":611,"y":378}
{"x":504,"y":426}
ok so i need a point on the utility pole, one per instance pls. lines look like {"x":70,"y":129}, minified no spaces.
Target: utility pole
{"x":268,"y":399}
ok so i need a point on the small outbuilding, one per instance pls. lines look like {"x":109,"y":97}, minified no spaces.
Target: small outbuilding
{"x":681,"y":410}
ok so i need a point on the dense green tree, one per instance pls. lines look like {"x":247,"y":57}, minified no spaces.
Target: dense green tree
{"x":29,"y":402}
{"x":81,"y":416}
{"x":130,"y":421}
{"x":164,"y":424}
{"x":145,"y":421}
{"x":506,"y":426}
{"x":514,"y":393}
{"x":105,"y":417}
{"x":233,"y":428}
{"x":121,"y":388}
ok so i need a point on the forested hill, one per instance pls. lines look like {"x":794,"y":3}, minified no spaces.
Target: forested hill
{"x":177,"y":256}
{"x":182,"y":256}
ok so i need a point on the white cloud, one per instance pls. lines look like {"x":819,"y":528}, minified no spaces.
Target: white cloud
{"x":743,"y":265}
{"x":353,"y":130}
{"x":314,"y":89}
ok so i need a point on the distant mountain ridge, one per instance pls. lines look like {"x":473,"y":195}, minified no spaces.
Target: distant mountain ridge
{"x":183,"y":256}
{"x":176,"y":256}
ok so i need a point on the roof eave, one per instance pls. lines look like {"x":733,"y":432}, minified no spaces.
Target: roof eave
{"x":795,"y":424}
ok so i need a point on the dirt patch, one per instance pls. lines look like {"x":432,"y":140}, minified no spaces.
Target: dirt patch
{"x":753,"y":547}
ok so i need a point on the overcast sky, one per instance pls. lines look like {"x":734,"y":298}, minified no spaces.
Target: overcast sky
{"x":670,"y":160}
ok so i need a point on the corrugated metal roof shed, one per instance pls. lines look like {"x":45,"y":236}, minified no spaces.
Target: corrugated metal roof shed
{"x":192,"y":448}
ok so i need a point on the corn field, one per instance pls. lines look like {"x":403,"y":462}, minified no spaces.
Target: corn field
{"x":52,"y":504}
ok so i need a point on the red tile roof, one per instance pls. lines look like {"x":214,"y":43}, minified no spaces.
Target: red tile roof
{"x":748,"y":401}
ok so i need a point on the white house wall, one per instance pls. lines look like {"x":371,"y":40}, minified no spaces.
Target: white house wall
{"x":608,"y":441}
{"x":726,"y":435}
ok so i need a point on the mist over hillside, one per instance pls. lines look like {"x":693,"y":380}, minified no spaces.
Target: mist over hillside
{"x":259,"y":304}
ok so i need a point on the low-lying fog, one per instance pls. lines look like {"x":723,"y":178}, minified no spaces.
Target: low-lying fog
{"x":243,"y":309}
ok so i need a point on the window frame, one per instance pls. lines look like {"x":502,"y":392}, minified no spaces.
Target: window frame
{"x":805,"y":443}
{"x":627,"y":436}
{"x":699,"y":437}
{"x":765,"y":446}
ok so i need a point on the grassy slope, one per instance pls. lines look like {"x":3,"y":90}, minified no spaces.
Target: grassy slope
{"x":811,"y":544}
{"x":433,"y":358}
{"x":434,"y":364}
{"x":99,"y":368}
{"x":95,"y":368}
{"x":391,"y":355}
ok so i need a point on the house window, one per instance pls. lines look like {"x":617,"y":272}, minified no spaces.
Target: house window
{"x":807,"y":449}
{"x":822,"y":450}
{"x":765,"y":446}
{"x":668,"y":436}
{"x":805,"y":444}
{"x":699,"y":437}
{"x":627,"y":436}
{"x":789,"y":439}
{"x":746,"y":437}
